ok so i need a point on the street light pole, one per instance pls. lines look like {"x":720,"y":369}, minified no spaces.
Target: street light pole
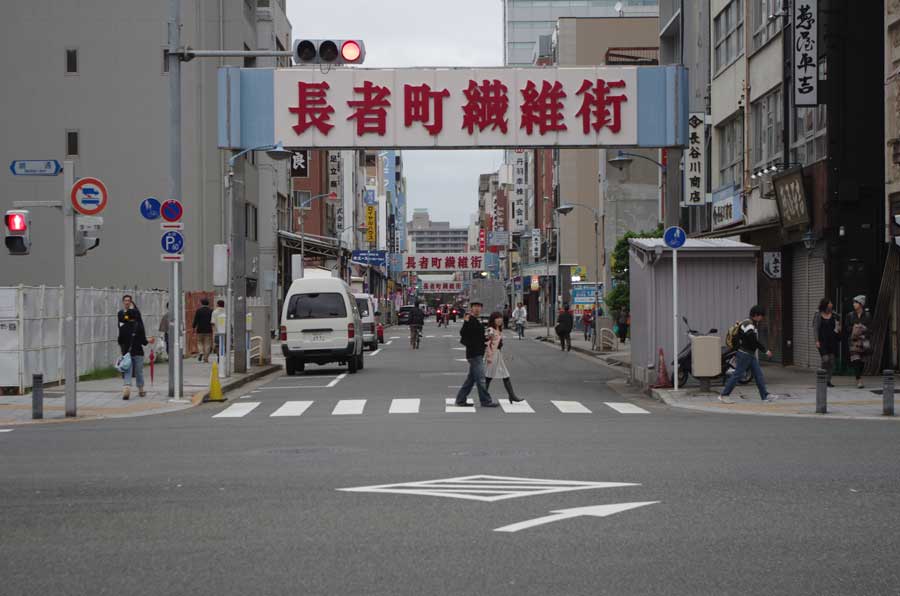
{"x":567,"y":208}
{"x":303,"y":206}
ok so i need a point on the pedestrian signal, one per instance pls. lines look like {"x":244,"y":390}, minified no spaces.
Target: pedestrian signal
{"x":329,"y":51}
{"x":18,"y":231}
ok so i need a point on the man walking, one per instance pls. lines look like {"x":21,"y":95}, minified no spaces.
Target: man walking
{"x":204,"y":330}
{"x":746,"y":342}
{"x":564,"y":324}
{"x":472,"y":336}
{"x":520,"y":317}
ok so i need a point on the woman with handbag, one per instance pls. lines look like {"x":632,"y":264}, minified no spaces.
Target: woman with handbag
{"x":859,"y":329}
{"x":496,"y":367}
{"x":132,"y":339}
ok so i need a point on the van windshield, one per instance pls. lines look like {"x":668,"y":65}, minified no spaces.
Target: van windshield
{"x":363,"y":305}
{"x":317,"y":306}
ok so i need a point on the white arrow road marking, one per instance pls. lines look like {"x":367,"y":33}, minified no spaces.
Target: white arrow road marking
{"x":389,"y":343}
{"x":561,"y":514}
{"x":375,"y":353}
{"x":336,"y":380}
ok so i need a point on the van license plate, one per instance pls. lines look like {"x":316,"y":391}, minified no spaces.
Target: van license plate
{"x":318,"y":338}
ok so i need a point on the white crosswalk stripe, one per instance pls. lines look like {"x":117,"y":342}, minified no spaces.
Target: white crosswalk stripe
{"x":405,"y":406}
{"x":237,"y":410}
{"x":292,"y":408}
{"x":452,"y":407}
{"x":520,"y":407}
{"x":625,"y":407}
{"x":570,"y":407}
{"x":347,"y":407}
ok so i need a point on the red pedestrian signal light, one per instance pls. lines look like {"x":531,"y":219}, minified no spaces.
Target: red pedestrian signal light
{"x":17,"y":235}
{"x":16,"y":222}
{"x":350,"y":51}
{"x":329,"y":51}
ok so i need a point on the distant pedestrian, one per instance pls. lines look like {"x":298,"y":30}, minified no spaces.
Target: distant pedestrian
{"x":564,"y":325}
{"x":472,"y":336}
{"x":520,"y":317}
{"x":622,"y":321}
{"x":132,"y":339}
{"x":203,"y":327}
{"x":828,"y":337}
{"x":496,"y":366}
{"x":587,"y":322}
{"x":220,"y":324}
{"x":164,"y":329}
{"x":859,"y":330}
{"x":746,"y":342}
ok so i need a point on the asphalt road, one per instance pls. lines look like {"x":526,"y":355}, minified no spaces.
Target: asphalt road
{"x":189,"y":503}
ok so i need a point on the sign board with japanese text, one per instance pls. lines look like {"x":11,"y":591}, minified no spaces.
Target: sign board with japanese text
{"x":441,"y":287}
{"x":300,"y":163}
{"x":437,"y":262}
{"x":454,"y":108}
{"x":806,"y":53}
{"x":498,"y":238}
{"x":520,"y":187}
{"x":695,"y":161}
{"x":772,"y":264}
{"x":790,"y":194}
{"x":371,"y":223}
{"x":535,"y":244}
{"x":727,"y":207}
{"x":481,"y":244}
{"x":377,"y":258}
{"x":334,"y":172}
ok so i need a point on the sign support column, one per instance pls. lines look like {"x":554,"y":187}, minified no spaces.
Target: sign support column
{"x":176,"y":308}
{"x":675,"y":238}
{"x":70,"y":345}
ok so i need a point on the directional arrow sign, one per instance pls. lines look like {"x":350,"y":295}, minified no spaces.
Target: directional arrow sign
{"x":561,"y":514}
{"x":35,"y":167}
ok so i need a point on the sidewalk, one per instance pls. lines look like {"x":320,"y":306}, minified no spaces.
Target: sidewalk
{"x":103,"y":398}
{"x":620,"y":357}
{"x":796,"y":390}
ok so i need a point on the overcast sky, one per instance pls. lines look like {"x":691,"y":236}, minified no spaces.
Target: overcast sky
{"x":400,"y":33}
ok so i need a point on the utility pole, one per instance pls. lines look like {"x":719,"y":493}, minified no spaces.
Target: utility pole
{"x":176,"y":308}
{"x":70,"y":344}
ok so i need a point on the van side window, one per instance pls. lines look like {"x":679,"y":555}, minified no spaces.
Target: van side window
{"x":317,"y":306}
{"x":363,"y":305}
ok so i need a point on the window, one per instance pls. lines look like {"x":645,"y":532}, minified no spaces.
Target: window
{"x":766,"y":141}
{"x":731,"y":152}
{"x":71,"y":143}
{"x":728,"y":34}
{"x":363,"y":305}
{"x":71,"y":61}
{"x":765,"y":28}
{"x":301,"y":197}
{"x":809,"y":139}
{"x":250,"y":223}
{"x":317,"y":306}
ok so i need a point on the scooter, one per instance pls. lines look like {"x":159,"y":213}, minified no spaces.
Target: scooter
{"x":729,"y":359}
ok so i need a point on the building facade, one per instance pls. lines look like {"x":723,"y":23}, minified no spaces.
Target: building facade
{"x":436,"y":236}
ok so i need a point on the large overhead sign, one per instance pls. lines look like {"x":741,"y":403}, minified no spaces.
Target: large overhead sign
{"x":454,"y":108}
{"x":437,"y":262}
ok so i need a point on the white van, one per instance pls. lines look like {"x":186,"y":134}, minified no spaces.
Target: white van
{"x":320,"y":324}
{"x":367,"y":313}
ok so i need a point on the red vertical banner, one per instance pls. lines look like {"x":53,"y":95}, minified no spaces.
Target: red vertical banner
{"x":481,"y":240}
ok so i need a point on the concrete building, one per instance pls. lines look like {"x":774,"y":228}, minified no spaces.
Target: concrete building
{"x":436,"y":236}
{"x":95,"y":90}
{"x":892,"y":155}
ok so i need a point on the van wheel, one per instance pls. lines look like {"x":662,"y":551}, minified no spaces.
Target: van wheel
{"x":352,"y":365}
{"x":361,"y":358}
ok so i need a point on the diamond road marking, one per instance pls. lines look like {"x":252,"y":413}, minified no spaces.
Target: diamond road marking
{"x":485,"y":488}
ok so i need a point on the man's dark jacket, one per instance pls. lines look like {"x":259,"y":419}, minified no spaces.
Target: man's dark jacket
{"x":472,"y":336}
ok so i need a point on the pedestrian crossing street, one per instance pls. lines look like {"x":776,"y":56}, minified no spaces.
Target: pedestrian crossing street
{"x":357,"y":407}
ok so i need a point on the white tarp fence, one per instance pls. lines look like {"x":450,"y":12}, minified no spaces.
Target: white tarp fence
{"x":31,"y":330}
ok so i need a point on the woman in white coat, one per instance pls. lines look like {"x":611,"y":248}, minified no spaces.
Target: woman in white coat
{"x":493,"y":356}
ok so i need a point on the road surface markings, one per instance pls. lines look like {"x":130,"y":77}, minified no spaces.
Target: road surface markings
{"x":245,"y":396}
{"x":429,"y":337}
{"x":295,"y":387}
{"x":349,"y":407}
{"x":561,"y":514}
{"x":389,"y":343}
{"x":485,"y":488}
{"x":405,"y":406}
{"x":460,"y":349}
{"x":461,"y":360}
{"x":291,"y":408}
{"x":395,"y":337}
{"x":520,"y":407}
{"x":449,"y":336}
{"x":450,"y":406}
{"x":375,"y":353}
{"x":570,"y":407}
{"x":625,"y":408}
{"x":6,"y":430}
{"x":237,"y":410}
{"x":336,"y":380}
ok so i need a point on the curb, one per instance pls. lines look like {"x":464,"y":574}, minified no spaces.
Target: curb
{"x":200,"y":397}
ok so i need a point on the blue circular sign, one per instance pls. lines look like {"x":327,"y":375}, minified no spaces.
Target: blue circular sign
{"x":150,"y":208}
{"x":674,"y":237}
{"x":172,"y":242}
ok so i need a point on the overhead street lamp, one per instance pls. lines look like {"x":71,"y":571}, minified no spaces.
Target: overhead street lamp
{"x":278,"y":153}
{"x":624,"y":158}
{"x":567,"y":208}
{"x":304,"y":205}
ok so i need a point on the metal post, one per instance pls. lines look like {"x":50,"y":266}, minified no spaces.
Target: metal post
{"x":229,"y":225}
{"x":176,"y":312}
{"x":887,"y":395}
{"x":302,"y":241}
{"x":675,"y":317}
{"x":821,"y":392}
{"x":69,"y":328}
{"x":595,"y":339}
{"x":37,"y":396}
{"x":547,"y":283}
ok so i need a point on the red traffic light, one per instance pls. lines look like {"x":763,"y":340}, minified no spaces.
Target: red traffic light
{"x":15,"y":222}
{"x":350,"y":51}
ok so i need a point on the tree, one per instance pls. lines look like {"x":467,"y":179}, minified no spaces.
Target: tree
{"x":618,"y":298}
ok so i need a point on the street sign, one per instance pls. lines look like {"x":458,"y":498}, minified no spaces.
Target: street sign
{"x":172,"y":242}
{"x":35,"y":167}
{"x":165,"y":226}
{"x":172,"y":258}
{"x":369,"y":197}
{"x":376,"y":258}
{"x":89,"y":196}
{"x":172,"y":210}
{"x":674,"y":237}
{"x":88,"y":223}
{"x":300,"y":163}
{"x":150,"y":208}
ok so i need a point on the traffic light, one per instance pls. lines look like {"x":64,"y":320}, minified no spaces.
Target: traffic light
{"x":18,"y":231}
{"x":329,"y":51}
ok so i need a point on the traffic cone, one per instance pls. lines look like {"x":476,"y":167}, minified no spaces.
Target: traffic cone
{"x":215,"y":388}
{"x":662,"y":373}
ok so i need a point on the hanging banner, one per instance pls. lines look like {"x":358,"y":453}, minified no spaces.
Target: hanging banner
{"x":334,"y":172}
{"x":695,"y":162}
{"x":371,"y":223}
{"x":535,"y":244}
{"x":518,"y":196}
{"x":441,"y":287}
{"x":436,"y":262}
{"x":806,"y":53}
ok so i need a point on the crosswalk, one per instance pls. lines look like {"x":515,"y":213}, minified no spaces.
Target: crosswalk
{"x":356,"y":407}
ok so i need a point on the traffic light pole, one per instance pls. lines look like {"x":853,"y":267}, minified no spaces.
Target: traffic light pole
{"x":70,"y":346}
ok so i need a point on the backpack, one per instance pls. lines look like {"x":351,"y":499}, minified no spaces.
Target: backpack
{"x":733,"y":335}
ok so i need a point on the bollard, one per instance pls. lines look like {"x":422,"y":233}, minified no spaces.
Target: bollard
{"x":37,"y":396}
{"x":887,"y":396}
{"x":821,"y":392}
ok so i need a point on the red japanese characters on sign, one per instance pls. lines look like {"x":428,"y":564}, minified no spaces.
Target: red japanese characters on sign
{"x":439,"y":262}
{"x":566,"y":106}
{"x":441,"y":287}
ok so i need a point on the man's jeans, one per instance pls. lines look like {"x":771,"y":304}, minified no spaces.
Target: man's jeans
{"x":136,"y":371}
{"x":520,"y":330}
{"x":476,"y":377}
{"x":745,"y":361}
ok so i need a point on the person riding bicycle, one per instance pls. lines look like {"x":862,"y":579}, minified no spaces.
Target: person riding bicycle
{"x":416,"y":321}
